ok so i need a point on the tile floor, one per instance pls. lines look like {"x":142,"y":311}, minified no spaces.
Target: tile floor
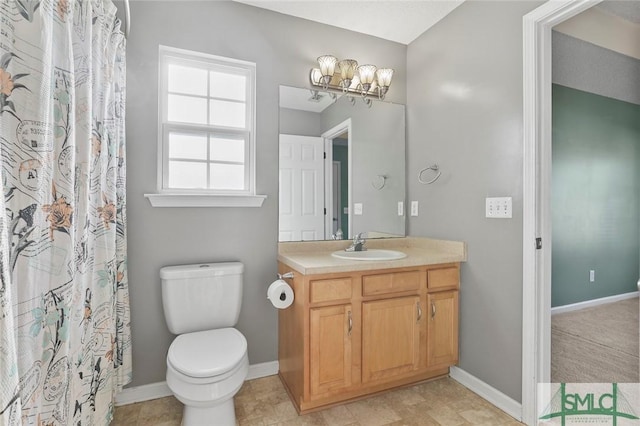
{"x":264,"y":401}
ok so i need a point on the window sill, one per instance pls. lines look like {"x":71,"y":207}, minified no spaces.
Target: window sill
{"x":205,"y":200}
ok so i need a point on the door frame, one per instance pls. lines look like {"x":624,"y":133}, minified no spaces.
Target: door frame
{"x":336,"y":174}
{"x":328,"y":137}
{"x":536,"y":281}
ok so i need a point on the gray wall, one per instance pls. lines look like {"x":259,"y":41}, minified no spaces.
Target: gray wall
{"x":297,"y":122}
{"x":464,"y":112}
{"x":284,"y":49}
{"x":585,"y":66}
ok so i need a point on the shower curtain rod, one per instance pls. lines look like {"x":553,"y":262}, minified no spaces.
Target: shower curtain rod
{"x":127,"y":19}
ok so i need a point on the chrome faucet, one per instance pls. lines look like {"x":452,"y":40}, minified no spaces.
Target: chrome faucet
{"x":357,"y":244}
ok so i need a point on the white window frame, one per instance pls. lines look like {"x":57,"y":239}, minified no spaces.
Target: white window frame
{"x":173,"y":197}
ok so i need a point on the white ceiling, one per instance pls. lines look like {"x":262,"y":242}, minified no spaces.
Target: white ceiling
{"x":627,"y":9}
{"x":401,"y":21}
{"x":304,"y":99}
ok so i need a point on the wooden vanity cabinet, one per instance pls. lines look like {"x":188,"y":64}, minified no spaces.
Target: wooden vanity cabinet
{"x":330,"y":354}
{"x":442,"y":345}
{"x":390,"y":337}
{"x":442,"y":303}
{"x":348,"y":335}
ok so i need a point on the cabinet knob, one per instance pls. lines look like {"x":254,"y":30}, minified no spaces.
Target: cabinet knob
{"x":433,"y":310}
{"x":419,"y":311}
{"x":350,"y":323}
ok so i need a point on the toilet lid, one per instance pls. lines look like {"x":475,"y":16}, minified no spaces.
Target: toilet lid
{"x":207,"y":353}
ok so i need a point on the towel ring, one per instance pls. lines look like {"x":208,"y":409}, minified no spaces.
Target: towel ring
{"x":435,"y":168}
{"x":380,"y":183}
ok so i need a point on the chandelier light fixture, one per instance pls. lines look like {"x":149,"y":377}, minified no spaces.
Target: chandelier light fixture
{"x":348,"y":77}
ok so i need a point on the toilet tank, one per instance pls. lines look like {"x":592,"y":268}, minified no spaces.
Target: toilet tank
{"x":201,"y":297}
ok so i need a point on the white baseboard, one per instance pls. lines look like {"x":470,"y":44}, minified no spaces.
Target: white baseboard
{"x":491,"y":394}
{"x":160,"y":389}
{"x":142,"y":393}
{"x":263,"y":369}
{"x":594,"y":302}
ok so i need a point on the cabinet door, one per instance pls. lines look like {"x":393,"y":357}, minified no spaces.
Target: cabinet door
{"x":442,"y":331}
{"x":390,"y":337}
{"x":330,"y":348}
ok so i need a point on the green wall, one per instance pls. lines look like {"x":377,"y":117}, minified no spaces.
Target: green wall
{"x":341,"y":154}
{"x":595,"y":196}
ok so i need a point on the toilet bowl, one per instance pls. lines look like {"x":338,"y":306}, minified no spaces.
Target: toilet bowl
{"x":205,"y":370}
{"x":207,"y":362}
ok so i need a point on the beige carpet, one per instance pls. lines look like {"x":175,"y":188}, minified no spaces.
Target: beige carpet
{"x":597,"y":345}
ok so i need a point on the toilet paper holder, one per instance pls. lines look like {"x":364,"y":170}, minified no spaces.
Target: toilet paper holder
{"x":280,"y":293}
{"x":285,"y":276}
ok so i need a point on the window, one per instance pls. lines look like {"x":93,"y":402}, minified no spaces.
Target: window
{"x":206,"y":128}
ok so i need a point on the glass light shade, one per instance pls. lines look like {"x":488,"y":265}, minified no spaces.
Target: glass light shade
{"x":348,"y":68}
{"x":384,"y":76}
{"x":327,"y":65}
{"x":355,"y":83}
{"x":367,"y":73}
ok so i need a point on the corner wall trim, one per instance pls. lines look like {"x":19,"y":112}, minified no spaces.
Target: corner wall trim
{"x":491,"y":394}
{"x":161,"y":390}
{"x":594,"y":302}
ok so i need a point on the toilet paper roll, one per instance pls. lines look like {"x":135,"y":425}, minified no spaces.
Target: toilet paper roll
{"x":280,"y":294}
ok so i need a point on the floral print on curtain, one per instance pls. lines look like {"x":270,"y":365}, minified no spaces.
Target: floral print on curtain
{"x":65,"y":344}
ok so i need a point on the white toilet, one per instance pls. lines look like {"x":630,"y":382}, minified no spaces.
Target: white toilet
{"x":207,"y":363}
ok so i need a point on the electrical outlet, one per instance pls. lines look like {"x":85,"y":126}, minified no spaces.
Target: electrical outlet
{"x":592,"y":276}
{"x":414,"y":208}
{"x":400,"y":208}
{"x":498,"y":207}
{"x":357,"y":209}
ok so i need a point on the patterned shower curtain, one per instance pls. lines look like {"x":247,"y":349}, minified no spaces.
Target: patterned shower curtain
{"x":65,"y":345}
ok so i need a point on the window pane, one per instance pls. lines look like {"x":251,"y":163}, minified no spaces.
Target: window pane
{"x":188,"y":80}
{"x":230,"y":114}
{"x":183,"y":174}
{"x":187,"y":109}
{"x":228,"y":86}
{"x":227,"y":149}
{"x":227,"y":176}
{"x":193,"y":147}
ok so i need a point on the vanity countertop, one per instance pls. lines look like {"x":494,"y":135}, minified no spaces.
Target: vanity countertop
{"x":314,"y":257}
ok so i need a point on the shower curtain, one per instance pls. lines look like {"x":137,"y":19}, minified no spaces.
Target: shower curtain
{"x":65,"y":345}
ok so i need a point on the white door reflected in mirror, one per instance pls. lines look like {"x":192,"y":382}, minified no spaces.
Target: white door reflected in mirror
{"x":301,"y":188}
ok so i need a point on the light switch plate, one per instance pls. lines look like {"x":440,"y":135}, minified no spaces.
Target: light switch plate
{"x":400,"y":208}
{"x":498,"y":207}
{"x":357,"y":209}
{"x":414,"y":208}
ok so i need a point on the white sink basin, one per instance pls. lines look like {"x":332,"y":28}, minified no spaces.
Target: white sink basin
{"x":370,"y":254}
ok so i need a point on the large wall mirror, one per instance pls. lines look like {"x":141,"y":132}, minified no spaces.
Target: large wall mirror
{"x":342,"y":167}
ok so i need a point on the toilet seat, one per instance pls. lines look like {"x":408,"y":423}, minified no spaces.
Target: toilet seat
{"x":207,"y":354}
